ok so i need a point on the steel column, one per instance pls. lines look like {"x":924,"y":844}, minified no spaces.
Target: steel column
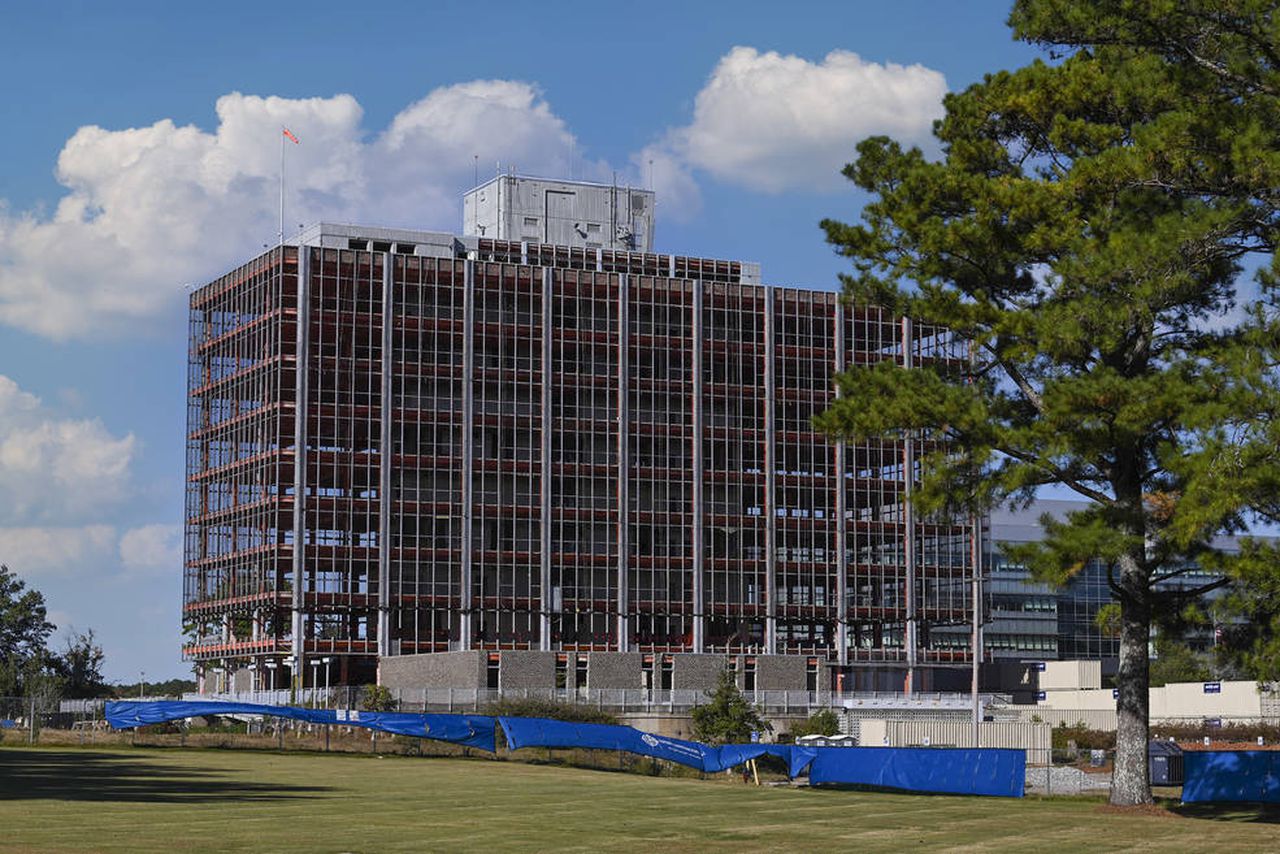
{"x":698,"y":533}
{"x":468,"y":447}
{"x":975,"y":551}
{"x":544,"y":539}
{"x":384,"y":463}
{"x":302,"y":384}
{"x":770,"y":480}
{"x":909,"y":527}
{"x":624,"y":464}
{"x":842,"y":557}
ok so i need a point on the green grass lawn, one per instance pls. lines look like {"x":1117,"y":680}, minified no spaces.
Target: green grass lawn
{"x":73,"y":799}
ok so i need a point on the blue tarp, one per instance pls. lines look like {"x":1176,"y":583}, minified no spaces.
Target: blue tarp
{"x":797,"y":758}
{"x":1231,"y":775}
{"x":943,"y":770}
{"x":544,"y":732}
{"x":470,"y":730}
{"x":956,"y":771}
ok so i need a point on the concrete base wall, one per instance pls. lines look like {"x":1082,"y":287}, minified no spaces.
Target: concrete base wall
{"x":691,"y":671}
{"x":614,"y":670}
{"x":434,"y":670}
{"x":526,"y":669}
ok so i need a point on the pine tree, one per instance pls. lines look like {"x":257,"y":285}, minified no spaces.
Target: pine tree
{"x":727,"y":718}
{"x":1084,"y":229}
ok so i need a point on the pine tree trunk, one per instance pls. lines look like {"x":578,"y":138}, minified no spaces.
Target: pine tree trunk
{"x":1131,"y":779}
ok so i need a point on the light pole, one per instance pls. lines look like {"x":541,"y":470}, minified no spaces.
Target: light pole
{"x":142,"y":683}
{"x":271,"y":669}
{"x":315,"y":674}
{"x":325,"y":661}
{"x":253,"y":680}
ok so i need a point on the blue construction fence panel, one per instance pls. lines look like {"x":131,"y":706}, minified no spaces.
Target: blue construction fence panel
{"x":961,"y":771}
{"x":953,"y":771}
{"x":468,"y":730}
{"x":544,"y":732}
{"x":1250,"y":776}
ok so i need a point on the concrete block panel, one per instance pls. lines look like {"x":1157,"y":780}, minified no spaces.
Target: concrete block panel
{"x":614,"y":670}
{"x":691,"y":671}
{"x":464,"y":669}
{"x":781,"y":673}
{"x":519,"y":668}
{"x":243,"y":680}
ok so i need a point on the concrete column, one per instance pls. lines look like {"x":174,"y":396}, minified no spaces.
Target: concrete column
{"x":624,"y":465}
{"x":770,"y":479}
{"x":698,"y":504}
{"x":544,"y":538}
{"x":842,"y":558}
{"x":468,"y":447}
{"x":384,"y":463}
{"x":909,"y":527}
{"x":302,"y":384}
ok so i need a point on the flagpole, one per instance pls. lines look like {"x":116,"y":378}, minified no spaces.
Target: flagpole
{"x":282,"y":186}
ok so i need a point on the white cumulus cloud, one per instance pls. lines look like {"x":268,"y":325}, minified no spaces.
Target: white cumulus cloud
{"x":31,"y":551}
{"x":772,"y":122}
{"x":152,"y":549}
{"x":149,"y":209}
{"x":54,"y":468}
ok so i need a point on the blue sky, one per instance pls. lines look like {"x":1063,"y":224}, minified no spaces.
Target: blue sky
{"x":124,"y":177}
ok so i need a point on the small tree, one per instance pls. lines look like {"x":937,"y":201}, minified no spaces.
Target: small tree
{"x":80,"y":666}
{"x":377,"y":698}
{"x":1175,"y":662}
{"x":728,"y":718}
{"x":822,"y":722}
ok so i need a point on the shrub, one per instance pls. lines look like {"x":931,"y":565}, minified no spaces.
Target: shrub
{"x":534,"y":708}
{"x":377,"y":698}
{"x":822,"y":722}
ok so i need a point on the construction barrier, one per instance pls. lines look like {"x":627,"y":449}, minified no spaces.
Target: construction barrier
{"x":1250,"y":776}
{"x":543,"y":732}
{"x":967,"y":771}
{"x":998,"y":772}
{"x":469,"y":730}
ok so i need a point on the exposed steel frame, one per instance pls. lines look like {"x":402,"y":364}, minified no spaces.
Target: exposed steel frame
{"x":551,"y":448}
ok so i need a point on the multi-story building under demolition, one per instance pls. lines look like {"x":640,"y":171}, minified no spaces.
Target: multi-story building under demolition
{"x":406,"y":442}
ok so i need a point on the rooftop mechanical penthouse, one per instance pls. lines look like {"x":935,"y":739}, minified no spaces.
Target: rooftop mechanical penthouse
{"x":409,"y":442}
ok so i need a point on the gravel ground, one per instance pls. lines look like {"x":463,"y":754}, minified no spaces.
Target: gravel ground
{"x":1065,"y":780}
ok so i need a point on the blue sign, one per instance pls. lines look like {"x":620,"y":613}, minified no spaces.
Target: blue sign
{"x":1041,"y":695}
{"x":1115,"y":693}
{"x":1213,"y":687}
{"x":1039,"y":666}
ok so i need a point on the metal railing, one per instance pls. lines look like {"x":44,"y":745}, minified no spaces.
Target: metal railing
{"x":617,"y":700}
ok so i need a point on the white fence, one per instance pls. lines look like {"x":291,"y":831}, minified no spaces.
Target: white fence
{"x":1035,"y":738}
